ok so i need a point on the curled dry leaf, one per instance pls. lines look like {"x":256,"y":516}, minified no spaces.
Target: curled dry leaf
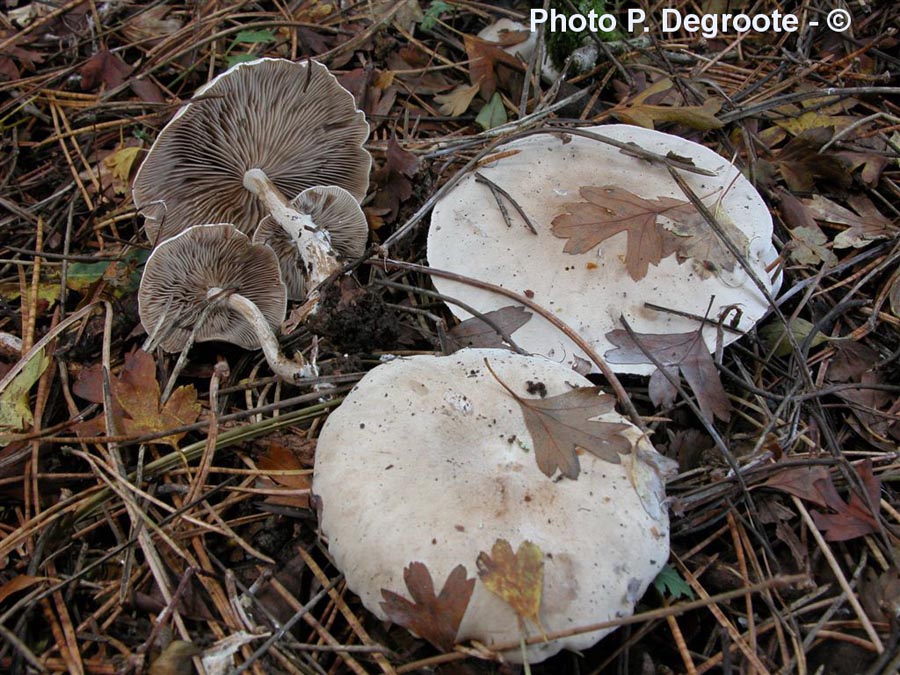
{"x":435,"y":618}
{"x":685,"y":352}
{"x":517,"y":578}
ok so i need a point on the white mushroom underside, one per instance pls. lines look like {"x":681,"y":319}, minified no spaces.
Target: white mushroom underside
{"x":590,"y":291}
{"x":429,"y":460}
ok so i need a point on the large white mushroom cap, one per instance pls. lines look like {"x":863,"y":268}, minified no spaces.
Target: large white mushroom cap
{"x":429,"y":460}
{"x":590,"y":290}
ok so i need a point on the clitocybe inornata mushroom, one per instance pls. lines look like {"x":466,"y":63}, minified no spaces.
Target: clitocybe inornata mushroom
{"x":330,"y":219}
{"x":614,"y":235}
{"x":430,"y":460}
{"x":290,"y":125}
{"x":217,"y":265}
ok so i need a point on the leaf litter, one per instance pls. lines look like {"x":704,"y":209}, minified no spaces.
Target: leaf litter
{"x":67,"y":110}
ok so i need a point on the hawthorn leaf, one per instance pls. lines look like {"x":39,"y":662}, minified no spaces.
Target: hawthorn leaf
{"x":671,"y":584}
{"x":561,"y":424}
{"x":120,"y":164}
{"x":639,"y":113}
{"x":475,"y":332}
{"x":695,"y":240}
{"x":805,"y":482}
{"x":609,"y":210}
{"x":854,"y":518}
{"x":684,"y":352}
{"x":483,"y":56}
{"x":435,"y":618}
{"x":802,"y":166}
{"x":456,"y":102}
{"x":517,"y":578}
{"x":865,"y":223}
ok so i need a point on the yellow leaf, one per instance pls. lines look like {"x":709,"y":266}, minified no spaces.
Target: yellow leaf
{"x":456,"y":102}
{"x":120,"y":164}
{"x":517,"y":578}
{"x":15,"y":410}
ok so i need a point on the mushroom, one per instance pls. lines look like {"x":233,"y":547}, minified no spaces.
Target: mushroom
{"x":334,"y":218}
{"x":289,"y":126}
{"x":429,"y":460}
{"x":213,"y":275}
{"x":590,"y":277}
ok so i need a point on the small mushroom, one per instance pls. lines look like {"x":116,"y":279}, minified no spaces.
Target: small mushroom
{"x":585,"y":273}
{"x":331,"y":222}
{"x":217,"y":264}
{"x":290,"y":126}
{"x":430,"y":460}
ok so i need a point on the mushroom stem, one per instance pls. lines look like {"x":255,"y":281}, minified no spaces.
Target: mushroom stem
{"x":314,"y":244}
{"x":282,"y":366}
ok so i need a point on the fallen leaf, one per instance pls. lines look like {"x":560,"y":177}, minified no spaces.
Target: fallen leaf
{"x":685,"y":352}
{"x":670,"y":584}
{"x":135,"y":400}
{"x":810,"y":244}
{"x":610,"y":210}
{"x":475,"y":332}
{"x":517,"y":578}
{"x":635,"y":111}
{"x":175,"y":659}
{"x":434,"y":618}
{"x":277,"y":460}
{"x":851,"y":360}
{"x":775,"y":338}
{"x":561,"y":424}
{"x":492,"y":114}
{"x":149,"y":25}
{"x":15,"y":408}
{"x":483,"y":57}
{"x":120,"y":163}
{"x":804,"y":482}
{"x":865,"y":223}
{"x":854,"y":518}
{"x":802,"y":166}
{"x":814,"y":119}
{"x":894,"y":297}
{"x":456,"y":102}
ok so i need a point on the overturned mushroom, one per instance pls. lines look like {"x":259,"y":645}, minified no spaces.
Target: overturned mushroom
{"x":290,"y":126}
{"x":216,"y":265}
{"x":333,"y":221}
{"x":431,"y":461}
{"x":613,"y":236}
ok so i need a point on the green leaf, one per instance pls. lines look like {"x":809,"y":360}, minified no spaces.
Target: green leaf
{"x":775,"y":338}
{"x":124,"y":274}
{"x":433,"y":13}
{"x":15,"y":410}
{"x":493,"y":114}
{"x":255,"y":37}
{"x":235,"y":59}
{"x":669,"y":583}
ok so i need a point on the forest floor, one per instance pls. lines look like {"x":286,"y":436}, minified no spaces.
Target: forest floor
{"x":174,"y":540}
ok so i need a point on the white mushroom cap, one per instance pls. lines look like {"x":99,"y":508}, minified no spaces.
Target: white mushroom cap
{"x":589,"y":291}
{"x":294,"y":121}
{"x":330,"y":208}
{"x":429,"y":459}
{"x":182,"y":271}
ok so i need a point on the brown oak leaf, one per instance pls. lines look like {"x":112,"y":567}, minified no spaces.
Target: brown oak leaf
{"x":686,"y":352}
{"x":517,"y":578}
{"x":609,"y":210}
{"x":435,"y":618}
{"x":854,"y":518}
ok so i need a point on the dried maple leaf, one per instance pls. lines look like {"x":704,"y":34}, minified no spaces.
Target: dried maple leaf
{"x":135,"y":400}
{"x":434,"y":618}
{"x":805,"y":482}
{"x":475,"y":332}
{"x":517,"y":578}
{"x":561,"y":424}
{"x":483,"y":56}
{"x":868,"y":226}
{"x":685,"y":352}
{"x":609,"y":210}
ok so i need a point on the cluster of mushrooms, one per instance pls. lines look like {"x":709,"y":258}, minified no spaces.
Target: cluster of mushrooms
{"x":229,"y":248}
{"x":443,"y":460}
